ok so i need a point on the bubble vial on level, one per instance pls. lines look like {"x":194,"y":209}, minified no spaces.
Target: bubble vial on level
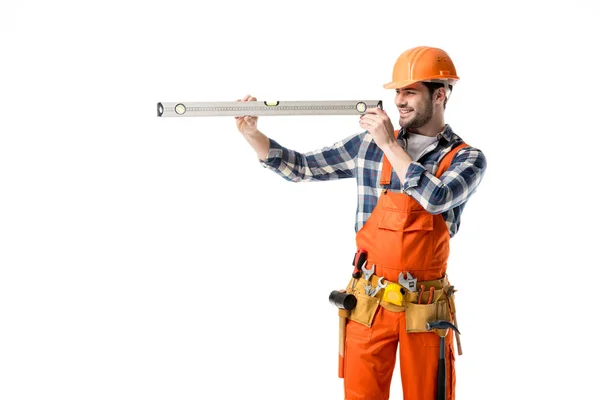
{"x":180,"y":109}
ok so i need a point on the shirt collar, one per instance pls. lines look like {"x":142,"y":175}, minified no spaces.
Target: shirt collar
{"x":445,"y":134}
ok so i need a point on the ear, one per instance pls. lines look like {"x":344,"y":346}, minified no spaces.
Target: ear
{"x":440,"y":95}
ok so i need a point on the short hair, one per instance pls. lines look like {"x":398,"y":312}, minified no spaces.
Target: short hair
{"x":433,"y":86}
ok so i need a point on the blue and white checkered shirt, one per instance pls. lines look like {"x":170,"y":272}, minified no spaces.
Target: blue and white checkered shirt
{"x":359,"y":157}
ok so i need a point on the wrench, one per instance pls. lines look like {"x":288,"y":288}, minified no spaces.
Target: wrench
{"x":367,"y":272}
{"x":410,"y":283}
{"x":368,"y":289}
{"x":379,"y":287}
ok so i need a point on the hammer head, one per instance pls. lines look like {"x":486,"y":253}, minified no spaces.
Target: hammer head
{"x":342,"y":300}
{"x":440,"y":325}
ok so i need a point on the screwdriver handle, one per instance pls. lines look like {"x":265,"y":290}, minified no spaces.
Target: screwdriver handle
{"x":359,"y":259}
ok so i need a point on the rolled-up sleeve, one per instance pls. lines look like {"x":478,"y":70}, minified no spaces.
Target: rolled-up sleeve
{"x":453,"y":188}
{"x":327,"y":163}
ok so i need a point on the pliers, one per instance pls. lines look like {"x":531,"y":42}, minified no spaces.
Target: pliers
{"x":431,"y":292}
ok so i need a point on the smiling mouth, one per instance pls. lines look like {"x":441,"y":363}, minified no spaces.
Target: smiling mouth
{"x":404,"y":112}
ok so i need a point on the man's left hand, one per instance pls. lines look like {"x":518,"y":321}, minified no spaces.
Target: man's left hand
{"x":378,"y":124}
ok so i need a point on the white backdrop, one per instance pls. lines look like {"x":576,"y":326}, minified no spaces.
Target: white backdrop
{"x":154,"y":258}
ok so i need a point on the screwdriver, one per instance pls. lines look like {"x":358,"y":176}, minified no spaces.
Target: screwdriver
{"x":360,"y":258}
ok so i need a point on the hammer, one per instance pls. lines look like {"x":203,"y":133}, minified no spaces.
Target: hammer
{"x":441,"y":377}
{"x":345,"y":302}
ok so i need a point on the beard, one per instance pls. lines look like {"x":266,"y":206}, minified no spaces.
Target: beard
{"x":420,"y":116}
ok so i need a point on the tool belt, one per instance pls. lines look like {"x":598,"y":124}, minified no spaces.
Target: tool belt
{"x":434,"y":304}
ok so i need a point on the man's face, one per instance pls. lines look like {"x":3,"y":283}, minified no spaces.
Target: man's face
{"x":415,"y":105}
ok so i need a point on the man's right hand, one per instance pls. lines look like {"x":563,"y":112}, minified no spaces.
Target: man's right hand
{"x":247,"y":125}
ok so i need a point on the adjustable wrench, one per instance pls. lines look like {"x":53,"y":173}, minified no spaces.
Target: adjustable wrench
{"x":410,"y":283}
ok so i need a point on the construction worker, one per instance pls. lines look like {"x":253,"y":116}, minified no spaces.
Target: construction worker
{"x":413,"y":185}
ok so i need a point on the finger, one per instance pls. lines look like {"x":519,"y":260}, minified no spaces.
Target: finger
{"x":370,"y":119}
{"x":375,"y":111}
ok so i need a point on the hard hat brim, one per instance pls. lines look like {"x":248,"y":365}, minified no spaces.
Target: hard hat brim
{"x":398,"y":85}
{"x":402,"y":84}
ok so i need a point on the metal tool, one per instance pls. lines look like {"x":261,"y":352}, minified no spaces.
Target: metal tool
{"x":368,"y":289}
{"x":367,"y":273}
{"x":431,"y":293}
{"x":419,"y":293}
{"x":256,"y":108}
{"x":409,"y":283}
{"x":379,"y":287}
{"x":441,"y":377}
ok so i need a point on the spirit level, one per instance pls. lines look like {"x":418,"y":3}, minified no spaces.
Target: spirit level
{"x":256,"y":108}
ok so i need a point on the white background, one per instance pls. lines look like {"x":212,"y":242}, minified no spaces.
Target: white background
{"x":147,"y":258}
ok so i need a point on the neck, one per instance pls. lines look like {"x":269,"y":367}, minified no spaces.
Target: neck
{"x":435,"y":125}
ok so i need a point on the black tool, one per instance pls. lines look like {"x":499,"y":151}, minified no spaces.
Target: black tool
{"x":342,"y":300}
{"x":441,"y":377}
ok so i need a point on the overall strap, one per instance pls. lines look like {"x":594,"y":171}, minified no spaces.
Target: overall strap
{"x":386,"y":171}
{"x":447,"y":160}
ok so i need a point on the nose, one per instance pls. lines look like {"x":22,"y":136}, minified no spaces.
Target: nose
{"x":400,"y":100}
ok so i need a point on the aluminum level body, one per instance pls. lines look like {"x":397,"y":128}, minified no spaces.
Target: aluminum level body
{"x":262,"y":108}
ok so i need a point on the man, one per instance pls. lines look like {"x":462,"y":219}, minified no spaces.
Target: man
{"x":413,"y":185}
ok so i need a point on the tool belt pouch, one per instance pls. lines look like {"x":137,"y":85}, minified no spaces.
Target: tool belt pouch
{"x":417,"y":315}
{"x":366,"y":306}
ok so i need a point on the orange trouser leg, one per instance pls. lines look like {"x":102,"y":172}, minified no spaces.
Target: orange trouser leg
{"x":370,"y":357}
{"x":419,"y":355}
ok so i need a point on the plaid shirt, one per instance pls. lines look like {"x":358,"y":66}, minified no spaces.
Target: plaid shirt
{"x":359,"y":157}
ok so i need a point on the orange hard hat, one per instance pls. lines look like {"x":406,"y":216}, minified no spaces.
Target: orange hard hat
{"x":422,"y":64}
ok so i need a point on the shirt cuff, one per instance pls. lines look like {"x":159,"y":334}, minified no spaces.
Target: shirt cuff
{"x":413,"y":175}
{"x":273,"y":156}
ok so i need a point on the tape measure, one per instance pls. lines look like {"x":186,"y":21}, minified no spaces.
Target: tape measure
{"x":393,"y":294}
{"x":256,"y":108}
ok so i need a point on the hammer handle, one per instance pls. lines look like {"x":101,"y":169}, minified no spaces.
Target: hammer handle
{"x":344,"y":314}
{"x":441,"y":380}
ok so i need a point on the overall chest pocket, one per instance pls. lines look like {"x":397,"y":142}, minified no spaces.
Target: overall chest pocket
{"x":412,"y":233}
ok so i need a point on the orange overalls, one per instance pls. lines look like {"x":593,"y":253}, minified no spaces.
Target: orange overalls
{"x":399,"y":236}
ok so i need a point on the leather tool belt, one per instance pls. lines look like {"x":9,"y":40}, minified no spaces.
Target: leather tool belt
{"x":434,"y":304}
